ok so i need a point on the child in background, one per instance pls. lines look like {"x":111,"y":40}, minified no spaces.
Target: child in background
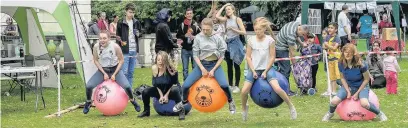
{"x":331,"y":44}
{"x":315,"y":49}
{"x":391,"y":69}
{"x":302,"y":69}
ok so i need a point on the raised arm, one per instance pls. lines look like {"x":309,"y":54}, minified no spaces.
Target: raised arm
{"x":219,"y":17}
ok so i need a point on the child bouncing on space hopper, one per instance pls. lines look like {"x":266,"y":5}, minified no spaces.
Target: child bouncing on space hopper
{"x":208,"y":52}
{"x":260,"y":55}
{"x":108,"y":58}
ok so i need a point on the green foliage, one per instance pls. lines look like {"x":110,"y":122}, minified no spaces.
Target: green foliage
{"x":280,"y":12}
{"x":148,"y":9}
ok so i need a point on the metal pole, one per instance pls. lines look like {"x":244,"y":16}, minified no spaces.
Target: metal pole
{"x":328,"y":74}
{"x":59,"y":89}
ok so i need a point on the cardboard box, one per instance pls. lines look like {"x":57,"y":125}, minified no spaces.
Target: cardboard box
{"x":390,"y":34}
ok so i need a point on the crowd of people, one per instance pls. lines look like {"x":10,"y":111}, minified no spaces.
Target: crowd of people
{"x":218,"y":38}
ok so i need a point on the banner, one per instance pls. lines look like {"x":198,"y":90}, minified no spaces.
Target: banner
{"x":339,"y":5}
{"x":361,"y":6}
{"x":329,"y":5}
{"x":371,"y":5}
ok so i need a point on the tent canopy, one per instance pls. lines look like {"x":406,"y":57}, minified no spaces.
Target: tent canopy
{"x":32,"y":35}
{"x":250,"y":9}
{"x":395,"y":11}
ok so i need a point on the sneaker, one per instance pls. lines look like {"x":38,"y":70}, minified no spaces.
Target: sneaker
{"x":325,"y":94}
{"x":235,"y":89}
{"x":382,"y":117}
{"x":182,"y":114}
{"x":333,"y":94}
{"x":291,"y":93}
{"x":232,"y":107}
{"x":137,"y":107}
{"x":245,"y":113}
{"x":144,"y":114}
{"x":87,"y":106}
{"x":178,"y":107}
{"x":293,"y":113}
{"x":328,"y":116}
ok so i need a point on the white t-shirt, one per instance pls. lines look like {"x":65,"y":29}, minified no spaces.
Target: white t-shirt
{"x":343,"y":23}
{"x":107,"y":55}
{"x":260,"y":51}
{"x":132,"y":40}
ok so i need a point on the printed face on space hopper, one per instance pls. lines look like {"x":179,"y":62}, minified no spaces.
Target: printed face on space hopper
{"x":356,"y":114}
{"x":265,"y":97}
{"x":203,"y":97}
{"x":102,"y":94}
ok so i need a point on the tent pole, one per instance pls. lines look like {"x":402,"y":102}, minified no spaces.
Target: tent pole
{"x":59,"y":89}
{"x":72,"y":6}
{"x":329,"y":87}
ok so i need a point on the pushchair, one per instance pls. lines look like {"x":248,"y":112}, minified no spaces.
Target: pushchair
{"x":302,"y":74}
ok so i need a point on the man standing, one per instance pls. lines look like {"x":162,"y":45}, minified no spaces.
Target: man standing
{"x":366,"y":28}
{"x":102,"y":23}
{"x":287,"y":39}
{"x":187,"y":32}
{"x":344,"y":26}
{"x":128,"y":34}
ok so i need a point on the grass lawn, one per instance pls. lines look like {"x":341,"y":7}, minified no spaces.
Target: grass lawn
{"x":17,"y":114}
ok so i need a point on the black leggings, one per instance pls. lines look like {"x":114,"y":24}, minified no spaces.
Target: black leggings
{"x":153,"y":92}
{"x":230,"y":63}
{"x":314,"y":72}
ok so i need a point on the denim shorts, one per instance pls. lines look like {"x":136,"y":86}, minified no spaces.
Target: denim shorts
{"x":270,"y":75}
{"x":342,"y":93}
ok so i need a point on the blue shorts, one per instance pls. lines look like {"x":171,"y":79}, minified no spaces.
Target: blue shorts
{"x":270,"y":75}
{"x":342,"y":93}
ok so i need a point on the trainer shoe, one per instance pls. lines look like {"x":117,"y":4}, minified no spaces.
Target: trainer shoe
{"x":178,"y":107}
{"x":293,"y":113}
{"x":382,"y":117}
{"x":245,"y":113}
{"x":325,"y":94}
{"x":232,"y":107}
{"x":291,"y":93}
{"x":328,"y":116}
{"x":87,"y":106}
{"x":235,"y":89}
{"x":145,"y":113}
{"x":182,"y":114}
{"x":137,"y":107}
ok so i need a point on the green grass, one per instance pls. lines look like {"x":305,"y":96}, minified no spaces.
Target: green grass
{"x":17,"y":114}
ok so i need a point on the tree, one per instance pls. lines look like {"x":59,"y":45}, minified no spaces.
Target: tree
{"x":146,"y":10}
{"x":280,"y":12}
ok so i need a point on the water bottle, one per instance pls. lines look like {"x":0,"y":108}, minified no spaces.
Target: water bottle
{"x":188,"y":40}
{"x":21,"y":51}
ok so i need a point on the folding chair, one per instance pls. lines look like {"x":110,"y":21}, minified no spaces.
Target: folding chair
{"x":24,"y":80}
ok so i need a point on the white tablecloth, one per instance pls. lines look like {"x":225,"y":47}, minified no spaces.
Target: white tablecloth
{"x":23,"y":69}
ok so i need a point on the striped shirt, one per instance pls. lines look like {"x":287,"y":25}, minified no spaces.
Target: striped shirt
{"x":287,"y":36}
